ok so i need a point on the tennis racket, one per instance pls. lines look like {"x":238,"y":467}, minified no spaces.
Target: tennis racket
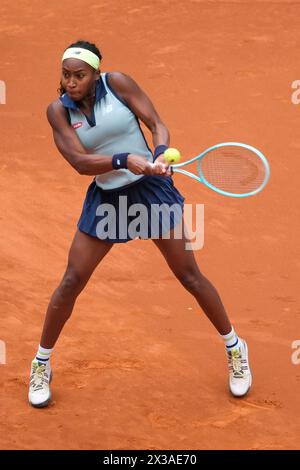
{"x":230,"y":168}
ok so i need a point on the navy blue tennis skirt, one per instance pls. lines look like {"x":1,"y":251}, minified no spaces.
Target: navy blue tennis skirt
{"x":147,"y":209}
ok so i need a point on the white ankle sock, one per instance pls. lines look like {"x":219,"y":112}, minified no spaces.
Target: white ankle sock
{"x":43,"y":355}
{"x":231,"y":340}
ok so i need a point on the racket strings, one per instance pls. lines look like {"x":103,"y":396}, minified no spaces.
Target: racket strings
{"x":233,"y":170}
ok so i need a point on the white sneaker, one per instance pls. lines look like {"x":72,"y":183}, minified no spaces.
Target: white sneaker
{"x":240,"y":378}
{"x":39,"y":391}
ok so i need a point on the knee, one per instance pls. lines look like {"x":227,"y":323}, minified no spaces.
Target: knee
{"x":192,"y":281}
{"x":71,"y":284}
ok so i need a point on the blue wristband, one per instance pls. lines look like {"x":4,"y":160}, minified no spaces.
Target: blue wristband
{"x":119,"y":160}
{"x":159,"y":150}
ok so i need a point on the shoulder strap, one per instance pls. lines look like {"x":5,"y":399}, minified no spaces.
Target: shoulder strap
{"x":104,"y":79}
{"x":108,"y":87}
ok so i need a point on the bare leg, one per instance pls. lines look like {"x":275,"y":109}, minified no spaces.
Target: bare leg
{"x":85,"y":254}
{"x":183,"y":264}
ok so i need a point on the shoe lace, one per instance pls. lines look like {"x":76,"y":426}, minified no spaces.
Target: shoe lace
{"x":39,"y":376}
{"x":235,"y":363}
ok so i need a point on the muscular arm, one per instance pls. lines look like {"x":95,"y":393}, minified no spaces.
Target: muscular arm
{"x":140,"y":105}
{"x":70,"y":147}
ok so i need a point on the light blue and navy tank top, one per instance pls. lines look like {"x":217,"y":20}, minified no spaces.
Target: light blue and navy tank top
{"x":113,"y":128}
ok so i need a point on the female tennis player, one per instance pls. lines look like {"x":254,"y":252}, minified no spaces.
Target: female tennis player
{"x":95,"y":124}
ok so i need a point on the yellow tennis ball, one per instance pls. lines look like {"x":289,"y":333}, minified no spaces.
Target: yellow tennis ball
{"x":172,"y":155}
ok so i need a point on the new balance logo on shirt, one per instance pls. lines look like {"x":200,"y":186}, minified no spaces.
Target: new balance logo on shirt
{"x":107,"y":109}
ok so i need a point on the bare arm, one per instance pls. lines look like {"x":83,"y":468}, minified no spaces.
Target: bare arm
{"x":137,"y":100}
{"x":73,"y":151}
{"x":70,"y":147}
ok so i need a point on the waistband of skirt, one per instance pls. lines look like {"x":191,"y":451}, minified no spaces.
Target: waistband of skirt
{"x":121,"y":187}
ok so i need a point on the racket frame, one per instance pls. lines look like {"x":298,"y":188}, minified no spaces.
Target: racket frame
{"x":177,"y":169}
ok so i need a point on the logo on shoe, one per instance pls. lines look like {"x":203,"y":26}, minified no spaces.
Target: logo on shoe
{"x":76,"y":125}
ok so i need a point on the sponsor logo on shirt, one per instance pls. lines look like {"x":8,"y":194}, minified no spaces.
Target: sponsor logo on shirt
{"x":76,"y":125}
{"x":107,"y":109}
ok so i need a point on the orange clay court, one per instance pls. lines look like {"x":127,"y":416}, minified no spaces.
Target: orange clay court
{"x":139,"y":366}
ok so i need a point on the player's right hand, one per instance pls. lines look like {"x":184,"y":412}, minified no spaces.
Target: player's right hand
{"x":140,"y":166}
